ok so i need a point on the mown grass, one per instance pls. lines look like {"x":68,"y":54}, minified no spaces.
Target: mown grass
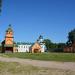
{"x":43,"y":56}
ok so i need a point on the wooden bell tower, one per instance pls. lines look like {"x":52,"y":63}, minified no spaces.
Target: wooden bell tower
{"x":9,"y":40}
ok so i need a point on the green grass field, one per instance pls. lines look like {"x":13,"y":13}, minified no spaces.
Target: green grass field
{"x":43,"y":56}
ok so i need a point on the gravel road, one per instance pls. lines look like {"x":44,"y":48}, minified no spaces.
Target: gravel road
{"x":38,"y":63}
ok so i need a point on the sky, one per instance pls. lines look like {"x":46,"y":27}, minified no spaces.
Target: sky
{"x":52,"y":19}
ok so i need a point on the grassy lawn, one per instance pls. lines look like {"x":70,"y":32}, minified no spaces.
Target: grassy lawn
{"x":13,"y":68}
{"x":43,"y":56}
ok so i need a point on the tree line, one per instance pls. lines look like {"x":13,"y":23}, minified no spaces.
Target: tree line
{"x":59,"y":47}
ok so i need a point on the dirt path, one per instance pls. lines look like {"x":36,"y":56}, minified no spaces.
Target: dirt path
{"x":47,"y":64}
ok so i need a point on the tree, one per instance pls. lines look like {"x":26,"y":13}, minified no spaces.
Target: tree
{"x":54,"y":47}
{"x":61,"y":45}
{"x":71,"y":37}
{"x":47,"y":43}
{"x":50,"y":45}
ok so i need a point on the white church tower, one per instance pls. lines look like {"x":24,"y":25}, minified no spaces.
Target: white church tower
{"x":40,"y":41}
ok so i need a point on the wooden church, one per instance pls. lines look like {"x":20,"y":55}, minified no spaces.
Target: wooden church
{"x":38,"y":46}
{"x":8,"y":45}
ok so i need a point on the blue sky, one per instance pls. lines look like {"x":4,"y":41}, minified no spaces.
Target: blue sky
{"x":30,"y":18}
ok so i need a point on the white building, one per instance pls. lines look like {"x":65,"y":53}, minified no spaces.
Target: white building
{"x":24,"y":47}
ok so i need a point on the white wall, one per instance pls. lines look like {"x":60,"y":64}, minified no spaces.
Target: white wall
{"x":43,"y":48}
{"x":23,"y":48}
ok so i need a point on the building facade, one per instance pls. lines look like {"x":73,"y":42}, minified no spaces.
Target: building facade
{"x":70,"y":48}
{"x":23,"y":47}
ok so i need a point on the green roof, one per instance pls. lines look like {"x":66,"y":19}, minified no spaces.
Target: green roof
{"x":24,"y":43}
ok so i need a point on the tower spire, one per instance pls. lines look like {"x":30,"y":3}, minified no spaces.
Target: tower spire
{"x":9,"y":28}
{"x":9,"y":25}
